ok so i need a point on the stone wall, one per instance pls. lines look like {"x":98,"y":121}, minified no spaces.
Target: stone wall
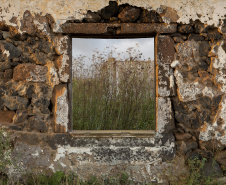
{"x":35,"y":71}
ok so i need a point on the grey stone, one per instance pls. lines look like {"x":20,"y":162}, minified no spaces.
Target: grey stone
{"x":15,"y":102}
{"x":211,"y":169}
{"x":21,"y":115}
{"x":14,"y":52}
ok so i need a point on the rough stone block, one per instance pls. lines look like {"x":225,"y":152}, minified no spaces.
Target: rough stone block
{"x":129,"y":14}
{"x":6,"y":116}
{"x":168,"y":14}
{"x":110,"y":11}
{"x":62,"y":63}
{"x":185,"y":28}
{"x":164,"y":117}
{"x":13,"y":51}
{"x":39,"y":123}
{"x":15,"y":102}
{"x":220,"y":158}
{"x":30,"y":73}
{"x":165,"y":49}
{"x":20,"y":116}
{"x":60,"y":108}
{"x":165,"y":82}
{"x":5,"y":65}
{"x":149,"y":17}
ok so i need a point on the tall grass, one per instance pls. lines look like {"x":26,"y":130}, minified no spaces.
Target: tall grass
{"x":113,"y":96}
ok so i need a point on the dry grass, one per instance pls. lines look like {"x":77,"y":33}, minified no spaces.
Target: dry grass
{"x":109,"y":96}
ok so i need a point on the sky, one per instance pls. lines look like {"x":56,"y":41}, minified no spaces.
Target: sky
{"x":117,"y":48}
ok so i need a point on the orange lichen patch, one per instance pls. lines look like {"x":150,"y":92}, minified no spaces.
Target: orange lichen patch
{"x":203,"y":128}
{"x":52,"y":77}
{"x":58,"y":62}
{"x":22,"y":72}
{"x":30,"y":73}
{"x":3,"y":26}
{"x":59,"y":128}
{"x":6,"y":116}
{"x":204,"y":75}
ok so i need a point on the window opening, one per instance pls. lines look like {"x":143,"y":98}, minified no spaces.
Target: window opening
{"x":113,"y":84}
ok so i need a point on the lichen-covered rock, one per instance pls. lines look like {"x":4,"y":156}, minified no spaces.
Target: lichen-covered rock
{"x":201,"y":28}
{"x":30,"y":73}
{"x":185,"y":28}
{"x":149,"y":17}
{"x":13,"y":51}
{"x":40,"y":104}
{"x":165,"y":118}
{"x":20,"y":116}
{"x":40,"y":123}
{"x":15,"y":102}
{"x":52,"y":75}
{"x":27,"y":23}
{"x":168,"y":14}
{"x":39,"y":58}
{"x":62,"y":62}
{"x":60,"y":108}
{"x":45,"y":47}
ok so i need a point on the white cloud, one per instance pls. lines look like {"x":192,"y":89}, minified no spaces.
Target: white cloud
{"x":113,"y":47}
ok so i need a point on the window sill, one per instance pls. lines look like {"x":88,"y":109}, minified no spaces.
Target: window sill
{"x":113,"y":133}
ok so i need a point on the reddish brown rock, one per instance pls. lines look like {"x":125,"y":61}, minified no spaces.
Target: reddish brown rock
{"x":6,"y":116}
{"x":30,"y":73}
{"x":165,"y":49}
{"x":129,"y":14}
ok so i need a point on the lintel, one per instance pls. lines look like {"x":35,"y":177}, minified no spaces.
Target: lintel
{"x":118,"y":28}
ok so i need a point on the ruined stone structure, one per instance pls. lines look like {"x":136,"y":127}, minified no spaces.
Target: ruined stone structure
{"x":35,"y":88}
